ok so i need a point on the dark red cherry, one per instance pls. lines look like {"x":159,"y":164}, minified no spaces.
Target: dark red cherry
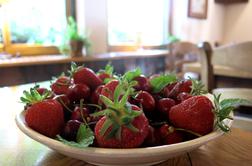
{"x":77,"y":92}
{"x":70,"y":130}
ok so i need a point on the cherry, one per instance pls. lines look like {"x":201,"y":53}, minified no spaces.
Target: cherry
{"x":183,"y":96}
{"x":164,"y":105}
{"x":169,"y":135}
{"x":70,"y":130}
{"x":168,"y":89}
{"x":63,"y":100}
{"x":77,"y":92}
{"x":152,"y":138}
{"x":76,"y":114}
{"x":142,"y":83}
{"x":146,"y":100}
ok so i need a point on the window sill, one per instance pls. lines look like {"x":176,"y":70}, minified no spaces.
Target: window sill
{"x":57,"y":59}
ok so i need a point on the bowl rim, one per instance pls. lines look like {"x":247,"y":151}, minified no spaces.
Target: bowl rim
{"x":144,"y":151}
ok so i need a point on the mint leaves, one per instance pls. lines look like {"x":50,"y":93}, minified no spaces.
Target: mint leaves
{"x":130,"y":75}
{"x":85,"y":137}
{"x":223,"y":109}
{"x":158,"y":83}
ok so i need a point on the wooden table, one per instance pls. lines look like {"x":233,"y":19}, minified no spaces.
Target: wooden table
{"x":17,"y":149}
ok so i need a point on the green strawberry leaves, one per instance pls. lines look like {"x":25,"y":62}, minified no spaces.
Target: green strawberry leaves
{"x":158,"y":83}
{"x":85,"y":137}
{"x":33,"y":96}
{"x":223,"y":109}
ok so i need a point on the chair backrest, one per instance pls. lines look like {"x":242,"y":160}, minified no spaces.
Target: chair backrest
{"x":234,"y":57}
{"x":237,"y":56}
{"x":181,"y":52}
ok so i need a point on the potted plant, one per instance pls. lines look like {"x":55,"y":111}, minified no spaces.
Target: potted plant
{"x":76,"y":41}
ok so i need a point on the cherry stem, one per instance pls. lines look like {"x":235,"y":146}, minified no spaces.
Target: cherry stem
{"x":189,"y":131}
{"x":81,"y":108}
{"x":62,"y":102}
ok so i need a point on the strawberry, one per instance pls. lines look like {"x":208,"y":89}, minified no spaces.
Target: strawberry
{"x":107,"y":73}
{"x":123,"y":125}
{"x":179,"y":87}
{"x":96,"y":94}
{"x":84,"y":75}
{"x":109,"y":88}
{"x":194,"y":114}
{"x":45,"y":116}
{"x":60,"y":86}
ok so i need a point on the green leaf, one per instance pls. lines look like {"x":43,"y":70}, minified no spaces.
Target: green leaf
{"x":109,"y":69}
{"x":234,"y":102}
{"x":198,"y":88}
{"x":130,"y":75}
{"x":85,"y":137}
{"x":224,"y":108}
{"x":158,"y":83}
{"x":106,"y":100}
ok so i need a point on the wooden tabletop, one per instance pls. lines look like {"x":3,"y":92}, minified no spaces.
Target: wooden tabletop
{"x":17,"y":149}
{"x":52,"y":59}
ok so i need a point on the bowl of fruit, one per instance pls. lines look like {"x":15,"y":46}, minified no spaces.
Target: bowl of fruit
{"x":108,"y":119}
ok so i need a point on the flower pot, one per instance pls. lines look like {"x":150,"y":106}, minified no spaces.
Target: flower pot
{"x":76,"y":48}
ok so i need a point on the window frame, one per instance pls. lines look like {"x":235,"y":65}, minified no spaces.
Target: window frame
{"x":35,"y":49}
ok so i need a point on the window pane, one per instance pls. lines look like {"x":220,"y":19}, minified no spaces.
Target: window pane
{"x":1,"y":27}
{"x":37,"y":22}
{"x":134,"y":21}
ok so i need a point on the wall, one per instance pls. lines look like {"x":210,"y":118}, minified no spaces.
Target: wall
{"x":197,"y":30}
{"x":238,"y":22}
{"x":92,"y":15}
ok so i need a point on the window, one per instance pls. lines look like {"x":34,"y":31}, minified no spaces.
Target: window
{"x":134,"y":22}
{"x":33,"y":27}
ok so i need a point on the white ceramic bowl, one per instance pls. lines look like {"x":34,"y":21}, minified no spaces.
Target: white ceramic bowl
{"x":123,"y":157}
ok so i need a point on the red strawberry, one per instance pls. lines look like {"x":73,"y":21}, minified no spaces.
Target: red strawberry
{"x":129,"y":138}
{"x":96,"y":94}
{"x":46,"y":117}
{"x":195,"y":114}
{"x":182,"y":86}
{"x":60,"y":86}
{"x":109,"y":88}
{"x":103,"y":76}
{"x":169,"y":135}
{"x":84,"y":75}
{"x":123,"y":126}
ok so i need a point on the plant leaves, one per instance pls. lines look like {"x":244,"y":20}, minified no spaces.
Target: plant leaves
{"x":130,"y":75}
{"x":234,"y":102}
{"x":158,"y":83}
{"x":109,"y":69}
{"x":85,"y":137}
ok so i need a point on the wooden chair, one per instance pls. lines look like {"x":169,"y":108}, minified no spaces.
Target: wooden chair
{"x":180,"y":53}
{"x":235,"y":64}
